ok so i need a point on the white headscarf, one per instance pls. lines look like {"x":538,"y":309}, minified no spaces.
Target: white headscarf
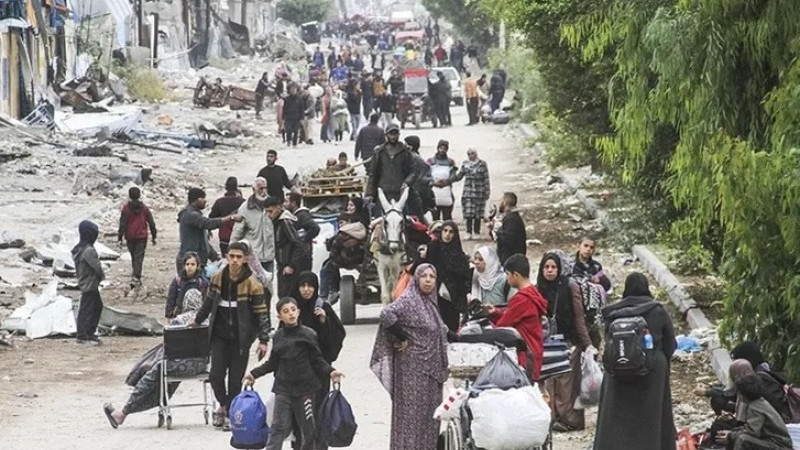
{"x":494,"y":270}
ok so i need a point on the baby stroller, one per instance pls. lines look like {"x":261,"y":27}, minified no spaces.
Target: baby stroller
{"x":477,"y":347}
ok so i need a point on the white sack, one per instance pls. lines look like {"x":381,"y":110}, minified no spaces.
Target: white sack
{"x":516,"y":419}
{"x":43,"y":315}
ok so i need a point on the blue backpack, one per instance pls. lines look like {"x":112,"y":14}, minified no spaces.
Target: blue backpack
{"x":248,"y":416}
{"x":337,"y":425}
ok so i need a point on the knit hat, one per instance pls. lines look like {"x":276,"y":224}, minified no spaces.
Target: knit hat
{"x":231,"y":184}
{"x":134,"y":193}
{"x":443,"y":143}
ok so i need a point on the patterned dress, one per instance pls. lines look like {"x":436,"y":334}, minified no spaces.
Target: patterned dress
{"x":476,"y":188}
{"x":413,"y":377}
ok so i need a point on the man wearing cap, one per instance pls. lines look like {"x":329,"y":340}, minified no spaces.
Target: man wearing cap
{"x":193,"y":227}
{"x":393,"y":168}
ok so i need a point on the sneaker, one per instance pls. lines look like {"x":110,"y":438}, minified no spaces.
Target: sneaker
{"x":88,"y":342}
{"x":226,"y":426}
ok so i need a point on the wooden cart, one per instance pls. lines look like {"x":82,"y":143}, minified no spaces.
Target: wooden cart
{"x":331,"y":192}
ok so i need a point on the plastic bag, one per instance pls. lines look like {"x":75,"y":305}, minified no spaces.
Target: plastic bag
{"x":451,"y":406}
{"x":515,"y":419}
{"x":591,"y":378}
{"x":502,"y":373}
{"x":685,"y":440}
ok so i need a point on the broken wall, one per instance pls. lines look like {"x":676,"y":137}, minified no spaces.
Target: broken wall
{"x":173,"y":52}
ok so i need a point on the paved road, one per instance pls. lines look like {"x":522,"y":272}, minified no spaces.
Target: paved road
{"x":67,"y":413}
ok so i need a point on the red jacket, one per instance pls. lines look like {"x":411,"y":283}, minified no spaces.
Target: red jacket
{"x":134,"y":221}
{"x":524,"y":312}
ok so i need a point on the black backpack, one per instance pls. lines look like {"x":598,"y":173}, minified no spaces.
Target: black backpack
{"x":624,"y":353}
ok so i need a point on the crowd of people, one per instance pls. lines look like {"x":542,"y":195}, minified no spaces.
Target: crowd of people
{"x":266,"y":238}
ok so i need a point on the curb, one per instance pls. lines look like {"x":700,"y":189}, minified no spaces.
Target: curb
{"x":720,"y":358}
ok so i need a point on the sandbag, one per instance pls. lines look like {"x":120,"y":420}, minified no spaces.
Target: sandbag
{"x":502,"y":373}
{"x":516,"y":419}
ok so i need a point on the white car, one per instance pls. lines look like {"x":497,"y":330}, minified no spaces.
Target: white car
{"x":454,"y":78}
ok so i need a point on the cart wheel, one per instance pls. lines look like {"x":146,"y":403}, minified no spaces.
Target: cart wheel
{"x":169,"y":422}
{"x":160,"y":420}
{"x":347,"y":300}
{"x":453,"y":439}
{"x":205,"y":416}
{"x":417,"y":120}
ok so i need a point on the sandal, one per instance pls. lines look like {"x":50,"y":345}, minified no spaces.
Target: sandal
{"x":108,"y":409}
{"x":217,"y":419}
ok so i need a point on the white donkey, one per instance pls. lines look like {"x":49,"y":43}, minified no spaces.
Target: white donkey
{"x":392,"y":241}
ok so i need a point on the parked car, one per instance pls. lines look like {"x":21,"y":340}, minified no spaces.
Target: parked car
{"x":454,"y":78}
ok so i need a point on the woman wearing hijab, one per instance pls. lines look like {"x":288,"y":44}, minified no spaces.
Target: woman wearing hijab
{"x":452,"y":266}
{"x":488,"y":278}
{"x":320,"y":317}
{"x":771,"y":383}
{"x":636,"y":414}
{"x":410,"y":360}
{"x":477,"y":190}
{"x":145,"y":377}
{"x":355,"y":207}
{"x":90,"y":274}
{"x":762,"y":427}
{"x":565,"y":305}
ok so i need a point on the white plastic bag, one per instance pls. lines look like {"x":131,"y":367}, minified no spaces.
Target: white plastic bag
{"x":591,"y":378}
{"x":516,"y":419}
{"x":451,"y":406}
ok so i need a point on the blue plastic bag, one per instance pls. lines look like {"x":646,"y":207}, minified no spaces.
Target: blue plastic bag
{"x":248,"y":416}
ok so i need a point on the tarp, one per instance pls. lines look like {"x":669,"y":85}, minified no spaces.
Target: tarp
{"x":43,"y":315}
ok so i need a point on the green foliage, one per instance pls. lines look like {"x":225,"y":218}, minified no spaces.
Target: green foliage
{"x":302,"y":11}
{"x":469,"y":20}
{"x":522,"y":76}
{"x":723,"y":77}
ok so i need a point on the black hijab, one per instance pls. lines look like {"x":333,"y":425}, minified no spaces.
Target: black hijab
{"x":451,"y":256}
{"x":549,"y":289}
{"x":360,"y":214}
{"x":749,"y":350}
{"x":636,"y":285}
{"x":306,"y":306}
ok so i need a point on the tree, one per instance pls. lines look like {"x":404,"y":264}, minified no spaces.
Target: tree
{"x":723,"y":76}
{"x":302,"y":11}
{"x":469,"y":20}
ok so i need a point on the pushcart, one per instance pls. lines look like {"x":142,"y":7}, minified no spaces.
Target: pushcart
{"x":185,"y":348}
{"x":464,"y":370}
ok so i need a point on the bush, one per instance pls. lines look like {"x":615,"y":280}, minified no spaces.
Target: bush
{"x":145,"y":84}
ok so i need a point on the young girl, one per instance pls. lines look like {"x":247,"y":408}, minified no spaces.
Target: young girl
{"x":191,"y":277}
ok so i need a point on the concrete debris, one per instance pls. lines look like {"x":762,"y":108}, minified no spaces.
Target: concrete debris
{"x":11,"y":156}
{"x":14,"y":243}
{"x":43,"y":315}
{"x":118,"y":321}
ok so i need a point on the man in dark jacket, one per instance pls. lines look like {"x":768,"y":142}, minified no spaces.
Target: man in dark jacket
{"x":368,"y":138}
{"x":276,"y":176}
{"x":134,"y":220}
{"x":497,"y":89}
{"x":306,"y":227}
{"x":511,"y":236}
{"x":393,"y":168}
{"x":193,"y":228}
{"x":239,"y":312}
{"x":421,"y":198}
{"x":225,"y":206}
{"x":261,"y":91}
{"x":441,"y":99}
{"x":90,"y":274}
{"x":293,"y":112}
{"x":353,"y":98}
{"x":289,"y":254}
{"x":367,"y":94}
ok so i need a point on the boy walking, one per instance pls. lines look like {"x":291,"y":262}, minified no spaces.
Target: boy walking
{"x":133,"y":223}
{"x":297,"y":363}
{"x":90,"y":274}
